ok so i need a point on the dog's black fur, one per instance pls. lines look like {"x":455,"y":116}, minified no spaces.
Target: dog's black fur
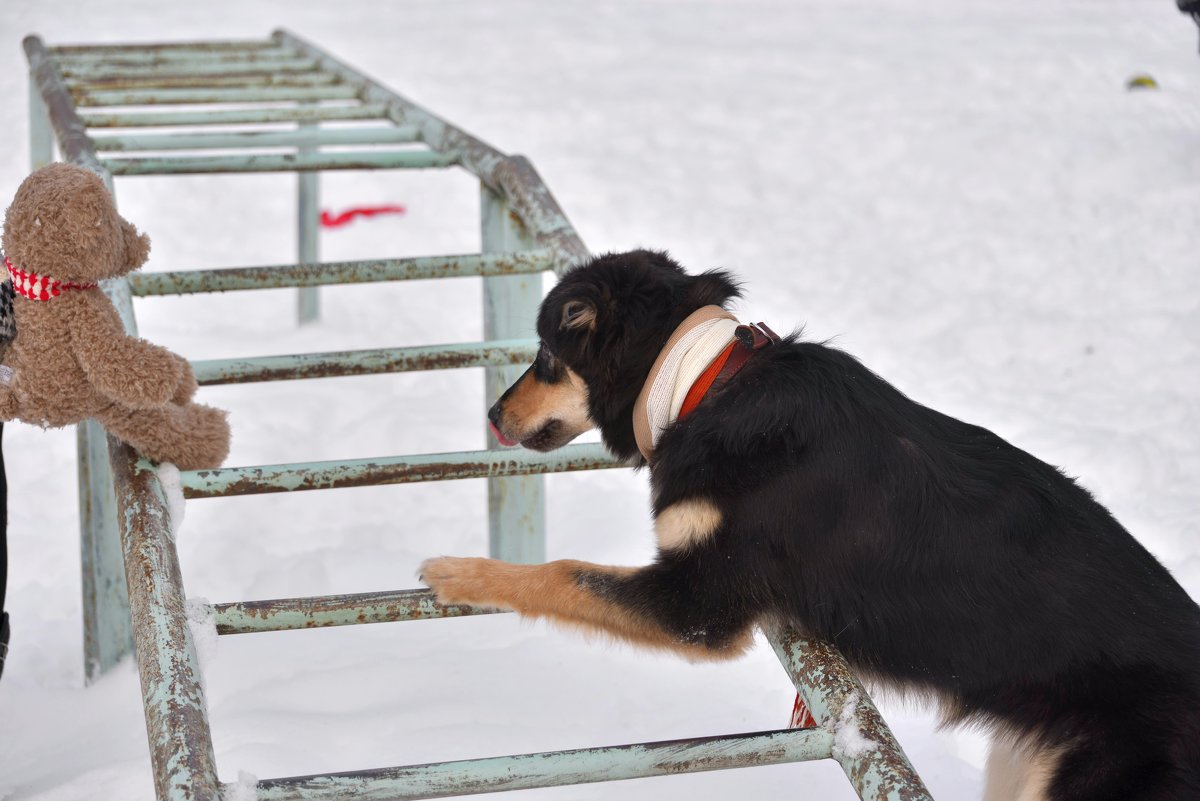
{"x":937,"y":556}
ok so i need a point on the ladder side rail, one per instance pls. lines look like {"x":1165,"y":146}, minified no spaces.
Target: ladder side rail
{"x":864,"y":745}
{"x":181,"y":750}
{"x":175,"y":708}
{"x":41,"y":135}
{"x":73,"y":142}
{"x":173,"y":698}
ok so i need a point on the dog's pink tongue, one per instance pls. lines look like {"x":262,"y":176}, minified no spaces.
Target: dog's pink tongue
{"x":503,"y":440}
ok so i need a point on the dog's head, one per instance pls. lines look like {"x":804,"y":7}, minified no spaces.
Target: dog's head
{"x":601,"y":328}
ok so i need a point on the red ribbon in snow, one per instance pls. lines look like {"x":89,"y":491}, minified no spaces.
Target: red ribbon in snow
{"x":330,"y":220}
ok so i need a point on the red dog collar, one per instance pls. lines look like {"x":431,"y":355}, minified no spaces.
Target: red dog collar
{"x":39,"y":287}
{"x":747,"y":340}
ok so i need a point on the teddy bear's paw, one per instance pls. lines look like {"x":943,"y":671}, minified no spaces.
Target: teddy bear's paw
{"x":10,"y":408}
{"x":186,"y":389}
{"x":207,"y":442}
{"x":151,"y":380}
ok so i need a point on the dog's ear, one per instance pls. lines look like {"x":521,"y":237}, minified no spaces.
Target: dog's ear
{"x":578,"y":314}
{"x":712,"y":288}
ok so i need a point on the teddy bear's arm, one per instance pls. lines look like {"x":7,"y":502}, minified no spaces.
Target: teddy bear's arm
{"x":130,"y":371}
{"x":187,"y":380}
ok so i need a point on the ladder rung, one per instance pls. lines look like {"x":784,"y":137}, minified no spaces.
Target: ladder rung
{"x":265,"y":94}
{"x":288,"y":614}
{"x":113,"y":83}
{"x":297,"y":477}
{"x":288,"y":162}
{"x":553,"y":768}
{"x":291,"y":367}
{"x":186,"y":282}
{"x":316,"y":137}
{"x":176,"y":58}
{"x":213,"y":46}
{"x":121,"y":119}
{"x":87,"y":70}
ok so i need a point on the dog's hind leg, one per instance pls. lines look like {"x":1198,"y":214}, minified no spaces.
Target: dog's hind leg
{"x":660,"y":606}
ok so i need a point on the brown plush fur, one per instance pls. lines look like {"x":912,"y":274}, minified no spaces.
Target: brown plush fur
{"x":71,"y":358}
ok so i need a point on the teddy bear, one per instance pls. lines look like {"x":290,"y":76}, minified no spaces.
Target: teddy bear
{"x":70,"y":358}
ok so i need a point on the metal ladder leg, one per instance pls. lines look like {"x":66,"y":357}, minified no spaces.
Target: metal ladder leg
{"x":516,"y":506}
{"x":41,"y":137}
{"x":107,"y":630}
{"x":308,"y":194}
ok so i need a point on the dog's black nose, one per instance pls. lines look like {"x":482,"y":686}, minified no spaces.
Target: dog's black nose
{"x":494,"y":414}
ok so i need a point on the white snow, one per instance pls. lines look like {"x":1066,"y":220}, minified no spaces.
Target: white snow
{"x":244,"y":789}
{"x":961,"y":192}
{"x":848,"y":739}
{"x":203,"y":625}
{"x":172,"y":486}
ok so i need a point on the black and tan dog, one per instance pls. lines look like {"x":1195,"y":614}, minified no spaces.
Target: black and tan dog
{"x":938,"y":557}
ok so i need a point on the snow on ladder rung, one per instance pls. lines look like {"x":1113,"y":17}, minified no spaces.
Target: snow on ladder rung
{"x":296,"y":477}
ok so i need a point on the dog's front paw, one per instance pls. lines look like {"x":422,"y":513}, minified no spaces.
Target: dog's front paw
{"x":466,"y":580}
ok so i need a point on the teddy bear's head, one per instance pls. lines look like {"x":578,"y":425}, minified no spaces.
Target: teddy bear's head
{"x":63,"y":223}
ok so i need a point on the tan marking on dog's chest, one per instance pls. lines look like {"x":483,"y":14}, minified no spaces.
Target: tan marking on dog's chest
{"x":686,"y":523}
{"x":1020,"y":772}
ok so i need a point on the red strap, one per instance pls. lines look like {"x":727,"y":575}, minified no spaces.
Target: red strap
{"x":748,"y":339}
{"x":801,"y":717}
{"x":700,"y":388}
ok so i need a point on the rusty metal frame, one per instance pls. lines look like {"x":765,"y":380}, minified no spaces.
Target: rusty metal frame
{"x":524,"y":232}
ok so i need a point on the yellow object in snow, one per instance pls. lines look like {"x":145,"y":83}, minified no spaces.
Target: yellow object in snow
{"x":1141,"y":82}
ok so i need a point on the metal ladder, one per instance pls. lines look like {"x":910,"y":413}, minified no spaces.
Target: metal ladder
{"x":132,"y":588}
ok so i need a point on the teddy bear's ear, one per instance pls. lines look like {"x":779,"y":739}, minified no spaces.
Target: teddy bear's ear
{"x":137,"y":246}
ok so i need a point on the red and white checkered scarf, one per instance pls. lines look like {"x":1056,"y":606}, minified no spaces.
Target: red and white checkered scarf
{"x":39,"y":287}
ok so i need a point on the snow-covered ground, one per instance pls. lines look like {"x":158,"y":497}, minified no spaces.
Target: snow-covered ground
{"x":960,"y":192}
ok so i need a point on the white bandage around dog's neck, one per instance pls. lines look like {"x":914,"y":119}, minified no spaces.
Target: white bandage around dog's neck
{"x":690,"y":350}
